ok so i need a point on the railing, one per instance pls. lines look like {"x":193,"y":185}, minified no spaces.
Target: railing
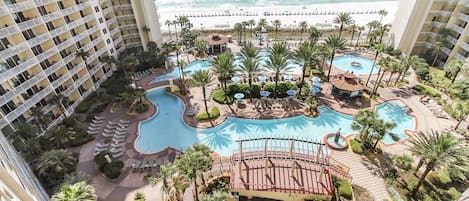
{"x":3,"y":11}
{"x":38,"y":39}
{"x":20,"y":6}
{"x":9,"y":30}
{"x":129,"y":26}
{"x":452,"y":40}
{"x":125,"y":17}
{"x":17,"y":69}
{"x":464,"y":17}
{"x":69,"y":90}
{"x":77,"y":68}
{"x":465,"y":46}
{"x":59,"y":30}
{"x":128,"y":36}
{"x":30,"y":23}
{"x":459,"y":57}
{"x":119,"y":7}
{"x":61,"y":80}
{"x":446,"y":50}
{"x":458,"y":29}
{"x":54,"y":67}
{"x":28,"y":103}
{"x":82,"y":79}
{"x":42,"y":2}
{"x":13,"y":50}
{"x":21,"y":88}
{"x":52,"y":16}
{"x":107,"y":10}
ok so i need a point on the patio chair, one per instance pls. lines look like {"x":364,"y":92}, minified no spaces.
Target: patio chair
{"x":118,"y":155}
{"x":101,"y":145}
{"x":124,"y":121}
{"x":97,"y":125}
{"x":108,"y":135}
{"x":113,"y":127}
{"x":117,"y":140}
{"x":109,"y":130}
{"x":96,"y":121}
{"x":135,"y":164}
{"x":123,"y":125}
{"x":99,"y":118}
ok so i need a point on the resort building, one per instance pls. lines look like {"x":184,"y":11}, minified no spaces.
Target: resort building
{"x":17,"y":181}
{"x":418,"y":25}
{"x":39,"y":40}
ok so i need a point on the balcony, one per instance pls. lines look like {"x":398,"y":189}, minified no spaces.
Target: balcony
{"x":46,"y":54}
{"x":436,"y":24}
{"x":446,"y":51}
{"x":125,"y":17}
{"x":82,"y":79}
{"x":69,"y":91}
{"x":122,"y":7}
{"x":38,"y":39}
{"x":463,"y":17}
{"x":111,"y":21}
{"x":459,"y":57}
{"x":30,"y":23}
{"x":54,"y":67}
{"x":65,"y":44}
{"x":96,"y":68}
{"x":61,"y":80}
{"x":129,"y":36}
{"x":13,"y":50}
{"x":426,"y":44}
{"x":20,"y":6}
{"x":43,"y":2}
{"x":457,"y":29}
{"x":452,"y":40}
{"x":9,"y":30}
{"x":52,"y":16}
{"x":127,"y":27}
{"x":465,"y":46}
{"x":77,"y":68}
{"x":441,"y":13}
{"x":134,"y":44}
{"x":58,"y":30}
{"x":21,"y":88}
{"x":22,"y":66}
{"x":28,"y":104}
{"x":3,"y":11}
{"x":107,"y":11}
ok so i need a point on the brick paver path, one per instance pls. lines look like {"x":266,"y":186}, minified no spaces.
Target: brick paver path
{"x":364,"y":173}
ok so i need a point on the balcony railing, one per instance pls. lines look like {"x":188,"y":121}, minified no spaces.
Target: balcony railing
{"x":17,"y":69}
{"x":52,"y":16}
{"x":28,"y":103}
{"x":59,"y":30}
{"x":38,"y":39}
{"x":13,"y":50}
{"x":69,"y":90}
{"x":61,"y":80}
{"x":464,"y":17}
{"x":446,"y":50}
{"x":111,"y":21}
{"x":127,"y":27}
{"x":54,"y":67}
{"x":9,"y":30}
{"x":120,"y":7}
{"x":20,"y":6}
{"x":46,"y":54}
{"x":21,"y":88}
{"x":459,"y":57}
{"x":77,"y":68}
{"x":42,"y":2}
{"x":128,"y":36}
{"x":3,"y":11}
{"x":465,"y":46}
{"x":82,"y":79}
{"x":125,"y":17}
{"x":458,"y":29}
{"x":107,"y":10}
{"x":452,"y":40}
{"x":30,"y":23}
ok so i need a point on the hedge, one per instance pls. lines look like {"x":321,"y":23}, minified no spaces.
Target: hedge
{"x":214,"y":113}
{"x":219,"y":97}
{"x":356,"y":146}
{"x":345,"y":189}
{"x":426,"y":90}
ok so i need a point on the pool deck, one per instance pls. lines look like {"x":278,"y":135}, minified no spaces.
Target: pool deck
{"x":364,"y":172}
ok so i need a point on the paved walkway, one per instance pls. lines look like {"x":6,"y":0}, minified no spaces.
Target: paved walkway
{"x":364,"y":173}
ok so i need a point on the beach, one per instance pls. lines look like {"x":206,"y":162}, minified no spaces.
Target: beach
{"x":320,"y":15}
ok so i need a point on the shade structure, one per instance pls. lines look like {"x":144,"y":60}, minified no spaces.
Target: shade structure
{"x":287,"y":77}
{"x":265,"y":93}
{"x":291,"y":92}
{"x":235,"y":79}
{"x":239,"y":95}
{"x":315,"y":90}
{"x":262,"y":78}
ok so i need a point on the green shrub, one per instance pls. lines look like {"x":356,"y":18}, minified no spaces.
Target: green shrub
{"x":114,"y":169}
{"x":345,"y":189}
{"x":422,"y":73}
{"x":356,"y":146}
{"x":219,"y":97}
{"x":453,"y":193}
{"x":396,"y":52}
{"x":316,"y":71}
{"x":307,"y":71}
{"x":426,"y":90}
{"x":214,"y":113}
{"x":440,"y":179}
{"x":141,"y":108}
{"x":403,"y":162}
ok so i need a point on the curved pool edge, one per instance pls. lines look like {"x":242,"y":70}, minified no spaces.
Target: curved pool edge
{"x":364,"y":56}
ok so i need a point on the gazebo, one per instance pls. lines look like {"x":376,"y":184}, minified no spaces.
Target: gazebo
{"x":217,"y":42}
{"x":346,"y":85}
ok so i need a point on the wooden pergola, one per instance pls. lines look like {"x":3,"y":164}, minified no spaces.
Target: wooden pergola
{"x":346,"y":85}
{"x":285,"y":165}
{"x":217,"y":42}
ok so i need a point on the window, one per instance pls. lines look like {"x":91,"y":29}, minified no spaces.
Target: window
{"x":108,"y":41}
{"x":4,"y":43}
{"x":74,"y":33}
{"x":78,"y":45}
{"x":4,"y":67}
{"x":2,"y":90}
{"x":111,"y":50}
{"x":61,"y":5}
{"x":96,"y":8}
{"x":57,"y":40}
{"x":100,"y":20}
{"x":28,"y":34}
{"x":13,"y":61}
{"x":7,"y":108}
{"x":105,"y":31}
{"x":67,"y":19}
{"x":45,"y":64}
{"x":69,"y":65}
{"x":50,"y":26}
{"x":42,"y":10}
{"x":37,"y":50}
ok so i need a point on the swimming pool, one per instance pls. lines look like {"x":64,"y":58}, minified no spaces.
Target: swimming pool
{"x":166,"y":128}
{"x":344,"y":63}
{"x":396,"y":111}
{"x":189,"y":69}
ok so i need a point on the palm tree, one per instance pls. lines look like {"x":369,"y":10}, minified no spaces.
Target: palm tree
{"x":411,"y":61}
{"x":109,"y":60}
{"x":382,"y":30}
{"x":382,"y":13}
{"x":23,"y":132}
{"x":438,"y":151}
{"x":437,"y":47}
{"x":307,"y":56}
{"x":360,"y":30}
{"x":314,"y":35}
{"x":39,"y":117}
{"x":56,"y":163}
{"x":343,"y":19}
{"x":59,"y":137}
{"x":395,"y":66}
{"x":166,"y":172}
{"x":191,"y":164}
{"x":202,"y":79}
{"x":380,"y":129}
{"x":83,"y":55}
{"x":278,"y":62}
{"x":175,"y":23}
{"x":139,"y":196}
{"x":245,"y":25}
{"x":378,"y":48}
{"x":167,"y":48}
{"x":74,"y":192}
{"x":239,"y":28}
{"x":364,"y":121}
{"x":262,"y":23}
{"x":249,"y":66}
{"x":385,"y":65}
{"x":128,"y":65}
{"x":224,"y":69}
{"x":334,"y":43}
{"x":251,"y":23}
{"x":462,"y":110}
{"x":201,"y":48}
{"x":60,"y":101}
{"x":303,"y":25}
{"x":372,"y":25}
{"x":353,"y":28}
{"x":276,"y":24}
{"x":168,"y":23}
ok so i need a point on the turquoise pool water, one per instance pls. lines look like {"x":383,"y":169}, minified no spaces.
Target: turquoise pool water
{"x":396,"y":111}
{"x":344,"y":63}
{"x":189,"y":69}
{"x":166,"y":128}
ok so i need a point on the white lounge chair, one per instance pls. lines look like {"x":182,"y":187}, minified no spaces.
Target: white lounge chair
{"x":117,"y":145}
{"x":124,"y":121}
{"x":93,"y":132}
{"x":115,"y":150}
{"x":108,"y":134}
{"x":99,"y":118}
{"x":109,"y":130}
{"x":119,"y":137}
{"x":97,"y":125}
{"x":117,"y":140}
{"x":118,"y":155}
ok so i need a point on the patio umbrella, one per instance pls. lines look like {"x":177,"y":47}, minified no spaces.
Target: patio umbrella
{"x":315,"y":90}
{"x":265,"y":93}
{"x":291,"y":92}
{"x":239,"y":96}
{"x":315,"y":79}
{"x":235,"y":79}
{"x":287,"y":77}
{"x":262,"y":78}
